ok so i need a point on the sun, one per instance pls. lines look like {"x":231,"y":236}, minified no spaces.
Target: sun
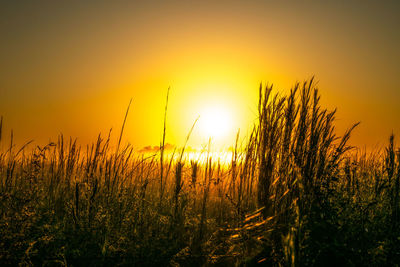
{"x":215,"y":122}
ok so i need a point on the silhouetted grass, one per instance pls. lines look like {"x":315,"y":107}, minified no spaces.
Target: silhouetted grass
{"x":295,"y":194}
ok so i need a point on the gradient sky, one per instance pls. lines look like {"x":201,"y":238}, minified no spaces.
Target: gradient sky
{"x":72,"y":66}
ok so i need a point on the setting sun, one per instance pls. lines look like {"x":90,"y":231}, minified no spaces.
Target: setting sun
{"x":215,"y":122}
{"x":200,"y":133}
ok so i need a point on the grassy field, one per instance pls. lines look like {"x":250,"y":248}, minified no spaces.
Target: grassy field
{"x":295,"y":194}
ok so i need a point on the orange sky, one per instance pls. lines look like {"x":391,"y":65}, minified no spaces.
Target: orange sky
{"x":72,"y":66}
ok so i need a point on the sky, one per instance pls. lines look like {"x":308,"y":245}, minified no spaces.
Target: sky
{"x":72,"y":67}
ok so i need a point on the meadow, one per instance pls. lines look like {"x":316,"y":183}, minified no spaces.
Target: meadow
{"x":294,"y":194}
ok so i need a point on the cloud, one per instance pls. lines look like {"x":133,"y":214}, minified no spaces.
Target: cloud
{"x":155,"y":149}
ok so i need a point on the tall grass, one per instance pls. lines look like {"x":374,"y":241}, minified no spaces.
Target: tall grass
{"x":293,"y":194}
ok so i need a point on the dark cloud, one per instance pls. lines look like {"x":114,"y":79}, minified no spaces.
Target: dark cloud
{"x":155,"y":149}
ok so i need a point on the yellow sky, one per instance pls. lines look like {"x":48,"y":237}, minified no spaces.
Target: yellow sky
{"x":72,"y":66}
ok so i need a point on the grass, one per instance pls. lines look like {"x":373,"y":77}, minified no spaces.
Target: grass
{"x":295,"y":194}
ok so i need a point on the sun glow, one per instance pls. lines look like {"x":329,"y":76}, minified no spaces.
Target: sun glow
{"x":215,"y":122}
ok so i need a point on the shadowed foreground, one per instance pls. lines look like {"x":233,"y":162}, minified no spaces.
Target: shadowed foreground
{"x":294,"y":194}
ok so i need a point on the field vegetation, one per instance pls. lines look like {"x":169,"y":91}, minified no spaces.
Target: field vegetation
{"x":294,"y":194}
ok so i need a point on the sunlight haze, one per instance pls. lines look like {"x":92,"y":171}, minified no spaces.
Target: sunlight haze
{"x":71,"y":67}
